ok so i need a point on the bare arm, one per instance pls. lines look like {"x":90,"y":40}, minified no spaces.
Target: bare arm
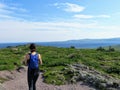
{"x":40,"y":59}
{"x":26,"y":58}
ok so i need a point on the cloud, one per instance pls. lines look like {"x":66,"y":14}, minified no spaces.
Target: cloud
{"x":4,"y":9}
{"x":103,"y":16}
{"x":53,"y":31}
{"x":2,"y":5}
{"x":83,"y":16}
{"x":70,"y":7}
{"x":19,"y":9}
{"x":51,"y":26}
{"x":11,"y":12}
{"x":90,"y":16}
{"x":6,"y":16}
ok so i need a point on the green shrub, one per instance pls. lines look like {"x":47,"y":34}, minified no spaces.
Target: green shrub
{"x":55,"y":59}
{"x":114,"y":69}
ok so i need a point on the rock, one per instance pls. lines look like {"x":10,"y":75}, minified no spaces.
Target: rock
{"x":20,"y":69}
{"x":102,"y":86}
{"x":1,"y":87}
{"x":73,"y":80}
{"x":92,"y":77}
{"x":10,"y":77}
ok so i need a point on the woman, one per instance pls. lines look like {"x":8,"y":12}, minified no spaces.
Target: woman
{"x":33,"y":59}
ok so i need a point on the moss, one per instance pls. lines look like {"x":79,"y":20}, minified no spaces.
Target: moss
{"x":2,"y":80}
{"x":54,"y":77}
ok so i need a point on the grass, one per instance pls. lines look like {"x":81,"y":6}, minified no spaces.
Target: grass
{"x":10,"y":58}
{"x":55,"y":60}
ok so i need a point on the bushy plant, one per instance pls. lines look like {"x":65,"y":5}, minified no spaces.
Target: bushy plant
{"x":114,"y":69}
{"x":55,"y":59}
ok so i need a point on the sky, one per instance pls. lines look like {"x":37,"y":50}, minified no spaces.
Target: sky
{"x":58,"y":20}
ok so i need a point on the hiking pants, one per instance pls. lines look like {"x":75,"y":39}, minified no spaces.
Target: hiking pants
{"x":33,"y":75}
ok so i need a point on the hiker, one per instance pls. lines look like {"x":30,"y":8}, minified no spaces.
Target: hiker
{"x":32,"y":60}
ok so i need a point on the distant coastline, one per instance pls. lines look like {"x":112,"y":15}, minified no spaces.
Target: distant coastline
{"x":5,"y":45}
{"x":82,"y":43}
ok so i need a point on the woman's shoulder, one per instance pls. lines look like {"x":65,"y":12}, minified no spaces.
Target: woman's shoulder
{"x":39,"y":54}
{"x":27,"y":54}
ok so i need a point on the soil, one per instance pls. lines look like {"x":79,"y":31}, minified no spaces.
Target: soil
{"x":17,"y":80}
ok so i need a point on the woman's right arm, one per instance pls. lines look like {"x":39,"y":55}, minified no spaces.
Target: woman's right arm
{"x":26,"y":58}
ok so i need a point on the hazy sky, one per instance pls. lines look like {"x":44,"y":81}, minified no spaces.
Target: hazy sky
{"x":58,"y":20}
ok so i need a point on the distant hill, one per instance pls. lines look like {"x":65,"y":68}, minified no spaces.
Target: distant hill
{"x":84,"y":43}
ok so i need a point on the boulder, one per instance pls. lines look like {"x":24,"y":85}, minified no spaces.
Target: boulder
{"x":92,"y":77}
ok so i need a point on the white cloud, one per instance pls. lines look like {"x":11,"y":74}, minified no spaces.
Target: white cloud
{"x":6,"y":17}
{"x":103,"y":16}
{"x":12,"y":8}
{"x":2,"y":5}
{"x":53,"y":31}
{"x":19,"y":9}
{"x":73,"y":7}
{"x":90,"y":16}
{"x":22,"y":30}
{"x":51,"y":26}
{"x":70,"y":7}
{"x":11,"y":12}
{"x":4,"y":9}
{"x":83,"y":16}
{"x":43,"y":26}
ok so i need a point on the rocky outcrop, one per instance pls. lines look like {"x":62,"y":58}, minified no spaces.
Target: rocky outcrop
{"x":92,"y":77}
{"x":20,"y":83}
{"x":1,"y":87}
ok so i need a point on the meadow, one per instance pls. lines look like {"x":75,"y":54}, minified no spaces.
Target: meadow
{"x":56,"y":61}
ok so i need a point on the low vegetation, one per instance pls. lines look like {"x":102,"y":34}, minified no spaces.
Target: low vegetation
{"x":57,"y":61}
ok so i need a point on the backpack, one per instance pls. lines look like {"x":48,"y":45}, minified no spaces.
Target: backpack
{"x":33,"y":61}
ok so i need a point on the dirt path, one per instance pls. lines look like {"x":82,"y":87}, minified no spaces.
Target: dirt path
{"x":19,"y":82}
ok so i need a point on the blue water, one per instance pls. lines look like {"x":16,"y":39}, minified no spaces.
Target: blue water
{"x":4,"y":45}
{"x":84,"y":43}
{"x":64,"y":44}
{"x":77,"y":45}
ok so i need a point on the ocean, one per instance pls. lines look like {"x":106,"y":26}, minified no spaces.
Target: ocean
{"x":60,"y":44}
{"x":5,"y":45}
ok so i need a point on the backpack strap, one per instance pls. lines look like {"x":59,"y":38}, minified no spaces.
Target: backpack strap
{"x":28,"y":59}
